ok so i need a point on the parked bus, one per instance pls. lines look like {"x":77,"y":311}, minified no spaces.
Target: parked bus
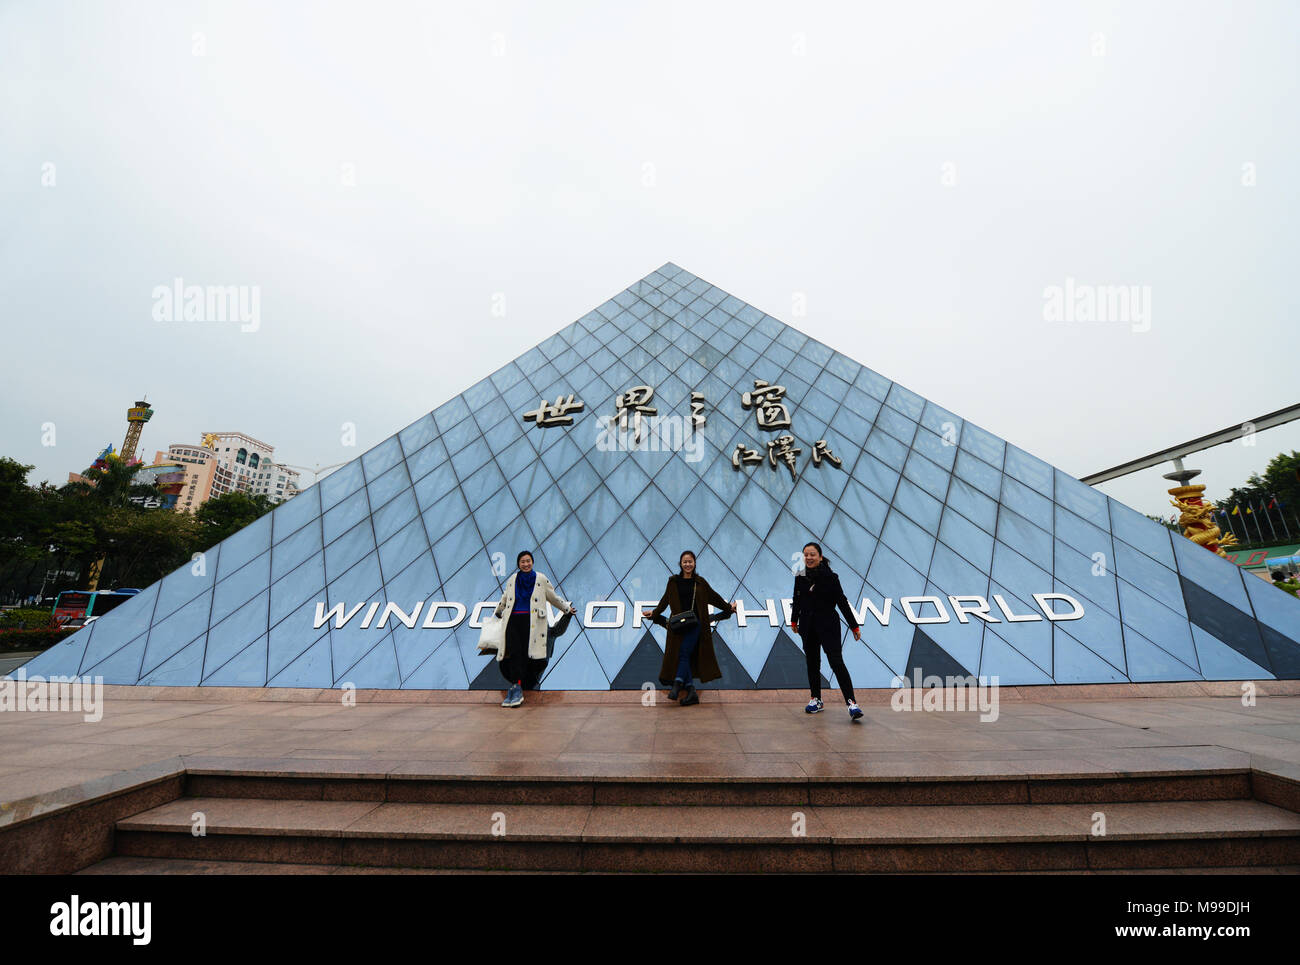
{"x":75,"y":608}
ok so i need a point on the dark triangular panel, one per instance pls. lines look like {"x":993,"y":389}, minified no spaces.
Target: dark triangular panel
{"x":1226,"y":622}
{"x":489,"y":678}
{"x":733,"y":676}
{"x":931,"y":659}
{"x":642,"y":665}
{"x":786,"y":668}
{"x":1284,"y":656}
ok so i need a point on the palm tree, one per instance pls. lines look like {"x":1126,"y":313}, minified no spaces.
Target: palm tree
{"x":110,"y":483}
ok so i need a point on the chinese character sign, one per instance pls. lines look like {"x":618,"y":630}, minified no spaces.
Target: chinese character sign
{"x":554,"y":415}
{"x":782,"y":448}
{"x":768,"y":408}
{"x":635,"y":400}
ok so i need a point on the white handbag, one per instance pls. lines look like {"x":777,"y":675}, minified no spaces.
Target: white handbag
{"x":492,"y":638}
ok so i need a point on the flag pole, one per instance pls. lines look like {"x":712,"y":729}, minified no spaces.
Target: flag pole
{"x":1236,"y":511}
{"x":1231,"y":528}
{"x":1268,"y":516}
{"x":1282,"y":516}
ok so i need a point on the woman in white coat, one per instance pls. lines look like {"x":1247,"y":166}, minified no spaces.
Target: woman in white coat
{"x":522,"y":658}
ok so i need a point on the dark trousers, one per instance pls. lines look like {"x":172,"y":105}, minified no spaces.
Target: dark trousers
{"x":690,"y":640}
{"x":813,"y":645}
{"x":515,"y":666}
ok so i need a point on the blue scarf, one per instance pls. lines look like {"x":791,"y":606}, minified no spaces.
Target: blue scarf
{"x":524,"y":583}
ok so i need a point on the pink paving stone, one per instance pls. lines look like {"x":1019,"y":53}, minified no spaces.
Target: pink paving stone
{"x":1123,"y":734}
{"x":474,"y":821}
{"x":251,"y":816}
{"x":957,"y":824}
{"x":1160,"y":819}
{"x":719,"y":825}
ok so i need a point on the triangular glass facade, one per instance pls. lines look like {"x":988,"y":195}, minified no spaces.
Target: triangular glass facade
{"x":922,"y":508}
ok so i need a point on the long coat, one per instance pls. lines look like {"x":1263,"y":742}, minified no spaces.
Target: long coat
{"x":543,"y":593}
{"x":704,"y":664}
{"x":814,"y":601}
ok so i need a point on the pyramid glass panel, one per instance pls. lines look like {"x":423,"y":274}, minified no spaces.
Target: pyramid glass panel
{"x":958,"y":552}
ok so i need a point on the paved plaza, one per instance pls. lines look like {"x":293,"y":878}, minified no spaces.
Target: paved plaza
{"x":1102,"y":731}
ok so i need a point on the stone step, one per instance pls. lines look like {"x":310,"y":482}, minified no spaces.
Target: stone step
{"x":709,"y":838}
{"x":701,"y":785}
{"x":193,"y":866}
{"x":189,"y":866}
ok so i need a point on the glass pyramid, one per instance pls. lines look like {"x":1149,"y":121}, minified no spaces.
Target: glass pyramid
{"x":923,"y":507}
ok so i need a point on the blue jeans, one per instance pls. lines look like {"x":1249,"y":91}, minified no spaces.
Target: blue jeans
{"x":690,"y":640}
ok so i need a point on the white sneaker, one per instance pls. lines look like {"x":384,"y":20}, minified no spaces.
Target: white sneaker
{"x":814,"y":706}
{"x":855,"y":712}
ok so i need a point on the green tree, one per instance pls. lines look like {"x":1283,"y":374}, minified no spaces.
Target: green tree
{"x":26,"y":515}
{"x":1273,"y":501}
{"x":1282,"y":479}
{"x":71,"y":538}
{"x":142,"y":546}
{"x":15,"y":497}
{"x":225,"y":515}
{"x":46,"y":530}
{"x":112,"y":485}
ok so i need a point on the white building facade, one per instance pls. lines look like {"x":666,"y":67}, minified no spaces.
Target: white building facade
{"x":238,"y":463}
{"x":248,"y":465}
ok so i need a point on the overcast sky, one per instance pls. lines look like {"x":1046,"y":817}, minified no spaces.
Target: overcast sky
{"x":917,"y":174}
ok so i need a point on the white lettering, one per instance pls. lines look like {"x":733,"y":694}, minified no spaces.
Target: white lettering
{"x":1011,"y":617}
{"x":637,"y":607}
{"x":912,"y":617}
{"x":772,"y":609}
{"x":613,"y":623}
{"x":430,"y":621}
{"x":881,"y":618}
{"x":978,"y":606}
{"x":337,"y":612}
{"x":407,"y":620}
{"x":1042,"y":600}
{"x":370,"y":615}
{"x":476,"y":618}
{"x":743,"y":615}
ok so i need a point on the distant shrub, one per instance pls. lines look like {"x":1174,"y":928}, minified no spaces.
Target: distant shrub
{"x":26,"y":619}
{"x":12,"y":640}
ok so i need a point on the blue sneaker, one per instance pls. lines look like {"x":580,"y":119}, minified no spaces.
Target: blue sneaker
{"x":814,"y":706}
{"x":514,"y":697}
{"x":855,"y":712}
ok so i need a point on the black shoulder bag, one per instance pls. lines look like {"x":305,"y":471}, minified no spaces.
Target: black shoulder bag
{"x":682,"y":622}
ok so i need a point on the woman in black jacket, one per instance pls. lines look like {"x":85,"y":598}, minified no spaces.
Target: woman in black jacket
{"x":817,"y":592}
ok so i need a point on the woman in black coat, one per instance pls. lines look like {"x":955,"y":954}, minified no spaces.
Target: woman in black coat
{"x":817,"y":592}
